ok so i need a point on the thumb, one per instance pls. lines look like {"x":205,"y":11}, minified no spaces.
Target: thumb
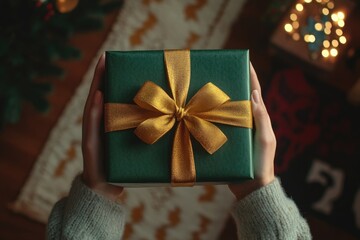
{"x":264,"y":131}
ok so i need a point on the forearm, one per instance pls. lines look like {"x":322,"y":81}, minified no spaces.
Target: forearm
{"x":85,"y":214}
{"x":268,"y":213}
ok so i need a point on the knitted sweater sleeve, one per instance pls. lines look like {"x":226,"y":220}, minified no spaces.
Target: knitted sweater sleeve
{"x":85,"y":214}
{"x":268,"y":213}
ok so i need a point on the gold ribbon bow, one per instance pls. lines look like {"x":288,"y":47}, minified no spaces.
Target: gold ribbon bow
{"x":155,"y":113}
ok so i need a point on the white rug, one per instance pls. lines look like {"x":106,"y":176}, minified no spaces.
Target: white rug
{"x":153,"y":213}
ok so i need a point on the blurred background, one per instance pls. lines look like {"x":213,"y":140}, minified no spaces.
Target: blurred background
{"x":306,"y":54}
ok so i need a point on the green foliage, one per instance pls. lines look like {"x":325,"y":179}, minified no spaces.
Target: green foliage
{"x":33,"y":34}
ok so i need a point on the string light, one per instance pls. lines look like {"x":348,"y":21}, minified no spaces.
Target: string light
{"x":318,"y":26}
{"x":325,"y":53}
{"x":295,"y":25}
{"x":325,"y":11}
{"x":299,"y":7}
{"x":293,"y":17}
{"x":339,"y":32}
{"x":296,"y":36}
{"x":341,"y":23}
{"x":326,"y":43}
{"x":333,"y":52}
{"x":342,"y":39}
{"x":288,"y":27}
{"x":335,"y":43}
{"x":330,"y":5}
{"x":331,"y":27}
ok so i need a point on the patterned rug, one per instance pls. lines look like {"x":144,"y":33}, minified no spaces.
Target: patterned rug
{"x":153,"y":213}
{"x":318,"y":155}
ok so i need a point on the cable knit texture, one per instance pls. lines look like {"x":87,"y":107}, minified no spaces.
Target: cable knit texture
{"x":85,"y":214}
{"x":264,"y":214}
{"x":269,"y":214}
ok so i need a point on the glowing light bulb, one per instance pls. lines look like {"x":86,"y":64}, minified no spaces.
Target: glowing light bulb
{"x":341,"y":23}
{"x":312,"y":38}
{"x":335,"y":43}
{"x":306,"y":38}
{"x":328,"y":25}
{"x":325,"y":53}
{"x":342,"y":39}
{"x":327,"y":31}
{"x":318,"y":26}
{"x":288,"y":27}
{"x":319,"y":1}
{"x":326,"y":43}
{"x":299,"y":7}
{"x":293,"y":17}
{"x":308,"y":1}
{"x":334,"y":17}
{"x":339,"y":32}
{"x":333,"y":52}
{"x":295,"y":25}
{"x":330,"y":5}
{"x":296,"y":36}
{"x":325,"y":11}
{"x":341,"y":15}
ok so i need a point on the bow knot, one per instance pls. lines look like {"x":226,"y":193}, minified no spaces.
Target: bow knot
{"x":180,"y":113}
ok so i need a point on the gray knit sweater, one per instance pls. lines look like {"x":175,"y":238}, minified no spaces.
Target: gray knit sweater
{"x":264,"y":214}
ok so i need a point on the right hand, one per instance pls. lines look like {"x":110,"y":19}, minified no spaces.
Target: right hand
{"x":264,"y":144}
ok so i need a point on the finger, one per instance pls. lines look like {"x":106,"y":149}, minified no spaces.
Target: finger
{"x":255,"y":85}
{"x":92,"y":164}
{"x":98,"y":75}
{"x":96,"y":83}
{"x":262,"y":120}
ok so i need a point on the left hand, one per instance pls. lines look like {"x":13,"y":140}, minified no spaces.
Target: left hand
{"x":92,"y":131}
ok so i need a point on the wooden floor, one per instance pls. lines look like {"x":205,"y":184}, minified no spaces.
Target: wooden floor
{"x":21,"y":143}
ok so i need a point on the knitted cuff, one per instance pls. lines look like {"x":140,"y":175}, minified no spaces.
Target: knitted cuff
{"x":267,"y":213}
{"x":89,"y":214}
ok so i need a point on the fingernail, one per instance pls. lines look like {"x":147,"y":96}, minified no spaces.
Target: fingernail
{"x":255,"y":96}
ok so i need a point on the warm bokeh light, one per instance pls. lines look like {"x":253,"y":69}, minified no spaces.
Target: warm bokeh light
{"x":341,"y":23}
{"x":328,"y":25}
{"x":288,"y":27}
{"x":318,"y":26}
{"x":330,"y":5}
{"x":295,"y":25}
{"x":334,"y":17}
{"x":335,"y":43}
{"x":293,"y":17}
{"x":296,"y":36}
{"x":325,"y":11}
{"x":299,"y":7}
{"x":341,"y":15}
{"x":325,"y":53}
{"x":327,"y":20}
{"x":326,"y":43}
{"x":333,"y":52}
{"x":339,"y":32}
{"x":342,"y":39}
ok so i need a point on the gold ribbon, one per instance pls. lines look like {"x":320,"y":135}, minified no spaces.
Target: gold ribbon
{"x":155,"y":113}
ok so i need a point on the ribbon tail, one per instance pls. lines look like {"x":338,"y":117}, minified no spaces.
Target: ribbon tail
{"x":235,"y":113}
{"x":119,"y":116}
{"x":183,"y":165}
{"x":206,"y":133}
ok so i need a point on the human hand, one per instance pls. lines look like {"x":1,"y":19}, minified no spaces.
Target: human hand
{"x":264,"y":144}
{"x":92,"y":148}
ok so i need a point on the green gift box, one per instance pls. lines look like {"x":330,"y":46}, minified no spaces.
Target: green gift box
{"x":129,"y":161}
